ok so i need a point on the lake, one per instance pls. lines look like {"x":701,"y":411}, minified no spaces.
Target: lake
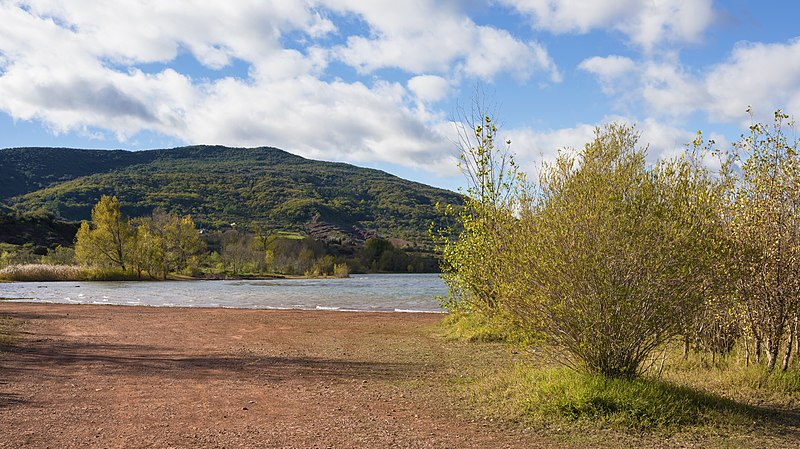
{"x":360,"y":292}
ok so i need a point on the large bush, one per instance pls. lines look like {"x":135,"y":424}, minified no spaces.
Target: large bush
{"x":606,"y":260}
{"x":614,"y":256}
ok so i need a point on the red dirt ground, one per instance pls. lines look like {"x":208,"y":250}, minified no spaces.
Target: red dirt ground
{"x":105,"y":376}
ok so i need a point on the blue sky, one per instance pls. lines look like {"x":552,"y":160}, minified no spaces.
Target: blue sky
{"x":378,"y":83}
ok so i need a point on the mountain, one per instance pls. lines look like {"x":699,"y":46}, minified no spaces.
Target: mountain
{"x":265,"y":187}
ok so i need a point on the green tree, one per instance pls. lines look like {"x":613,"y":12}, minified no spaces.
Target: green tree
{"x":147,"y":250}
{"x":165,"y":243}
{"x":106,"y":242}
{"x":473,"y":263}
{"x":764,"y":227}
{"x":60,"y":255}
{"x":240,"y":249}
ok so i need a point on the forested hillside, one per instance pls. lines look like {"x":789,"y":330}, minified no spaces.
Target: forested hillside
{"x":253,"y":187}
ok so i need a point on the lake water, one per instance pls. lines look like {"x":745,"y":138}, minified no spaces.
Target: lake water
{"x":361,"y":292}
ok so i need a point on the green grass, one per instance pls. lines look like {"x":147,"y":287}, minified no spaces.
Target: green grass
{"x":561,"y":396}
{"x":689,"y":395}
{"x":730,"y":378}
{"x":476,"y":327}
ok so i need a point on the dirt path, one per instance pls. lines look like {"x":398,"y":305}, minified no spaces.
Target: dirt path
{"x":104,"y":376}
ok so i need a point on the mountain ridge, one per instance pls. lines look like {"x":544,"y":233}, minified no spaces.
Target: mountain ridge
{"x":218,"y":185}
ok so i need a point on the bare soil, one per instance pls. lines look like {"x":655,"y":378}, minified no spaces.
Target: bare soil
{"x":106,"y":376}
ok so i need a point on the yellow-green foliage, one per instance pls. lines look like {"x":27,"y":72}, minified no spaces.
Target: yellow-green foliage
{"x":163,"y":243}
{"x":341,"y":270}
{"x":105,"y":244}
{"x":158,"y":245}
{"x":763,"y":218}
{"x":110,"y":274}
{"x":476,"y":327}
{"x":607,"y":260}
{"x":614,"y":256}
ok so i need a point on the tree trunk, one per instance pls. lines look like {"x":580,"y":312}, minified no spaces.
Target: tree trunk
{"x":758,"y":350}
{"x":685,"y":347}
{"x":746,"y":351}
{"x":773,"y":349}
{"x":788,"y":354}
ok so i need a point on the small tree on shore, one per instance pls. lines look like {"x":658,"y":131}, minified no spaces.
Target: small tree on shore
{"x":107,"y":241}
{"x":474,"y":263}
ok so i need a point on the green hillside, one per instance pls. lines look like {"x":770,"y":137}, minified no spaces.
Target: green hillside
{"x":220,"y":186}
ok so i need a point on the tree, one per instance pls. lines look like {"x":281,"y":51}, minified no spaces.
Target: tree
{"x":473,"y":263}
{"x":239,"y":249}
{"x":164,"y":243}
{"x":764,"y":227}
{"x":106,"y":242}
{"x":147,"y":250}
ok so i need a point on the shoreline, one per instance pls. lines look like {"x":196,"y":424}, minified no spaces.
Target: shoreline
{"x":265,"y":308}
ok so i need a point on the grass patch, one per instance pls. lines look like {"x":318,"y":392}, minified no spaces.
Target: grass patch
{"x":559,"y":395}
{"x":290,"y":235}
{"x":730,"y":378}
{"x":475,"y":327}
{"x":533,"y":390}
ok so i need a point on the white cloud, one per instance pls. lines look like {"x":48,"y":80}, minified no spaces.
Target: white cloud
{"x":533,"y":147}
{"x":609,"y":67}
{"x":646,"y":23}
{"x":612,"y":71}
{"x":429,"y":88}
{"x":421,"y":36}
{"x":668,"y":90}
{"x":764,"y":75}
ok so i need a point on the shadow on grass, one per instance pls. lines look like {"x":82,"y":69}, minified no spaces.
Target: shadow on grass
{"x":559,"y":396}
{"x":717,"y":411}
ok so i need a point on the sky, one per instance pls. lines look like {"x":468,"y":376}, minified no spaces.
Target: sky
{"x":379,"y":83}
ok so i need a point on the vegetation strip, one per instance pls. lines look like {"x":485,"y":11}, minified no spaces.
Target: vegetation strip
{"x":619,"y":275}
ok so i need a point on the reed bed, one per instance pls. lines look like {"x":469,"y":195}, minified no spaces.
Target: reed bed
{"x":40,"y":272}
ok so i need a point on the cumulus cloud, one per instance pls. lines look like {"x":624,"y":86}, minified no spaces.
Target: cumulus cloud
{"x":765,"y":76}
{"x":533,"y":147}
{"x":110,"y":68}
{"x":646,"y":23}
{"x":429,"y":88}
{"x":403,"y":35}
{"x":612,"y":71}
